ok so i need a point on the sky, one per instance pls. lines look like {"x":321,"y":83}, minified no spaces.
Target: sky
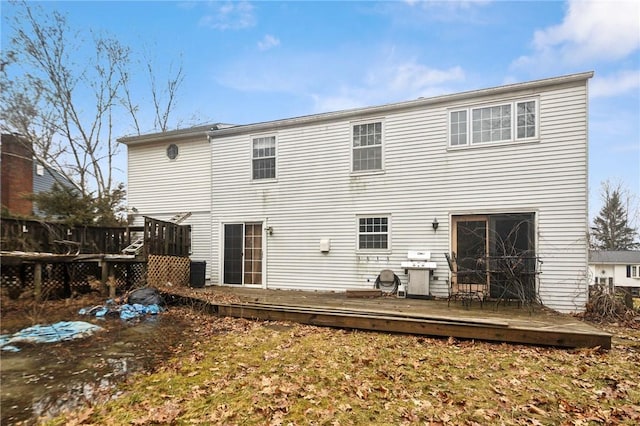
{"x":248,"y":62}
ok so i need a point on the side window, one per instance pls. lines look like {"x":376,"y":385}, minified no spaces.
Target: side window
{"x":458,"y":128}
{"x":526,"y":119}
{"x":263,"y":158}
{"x":367,"y":147}
{"x":373,"y":233}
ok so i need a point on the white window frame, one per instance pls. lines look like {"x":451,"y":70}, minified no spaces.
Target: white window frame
{"x":354,"y":148}
{"x":253,"y":140}
{"x":454,"y":140}
{"x":360,"y":233}
{"x":635,"y":271}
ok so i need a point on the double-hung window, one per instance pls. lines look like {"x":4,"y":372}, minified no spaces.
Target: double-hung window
{"x":510,"y":121}
{"x":263,"y":157}
{"x":633,"y":271}
{"x":367,"y":147}
{"x":373,"y":233}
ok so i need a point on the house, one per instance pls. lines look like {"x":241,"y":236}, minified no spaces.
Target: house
{"x":23,"y":175}
{"x":326,"y":202}
{"x":615,"y":269}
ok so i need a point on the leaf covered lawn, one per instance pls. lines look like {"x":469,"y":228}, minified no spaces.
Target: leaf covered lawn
{"x":244,"y":372}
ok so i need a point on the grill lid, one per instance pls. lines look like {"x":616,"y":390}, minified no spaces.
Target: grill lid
{"x":419,"y":255}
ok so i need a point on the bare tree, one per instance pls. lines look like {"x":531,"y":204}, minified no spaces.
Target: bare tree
{"x":66,"y":104}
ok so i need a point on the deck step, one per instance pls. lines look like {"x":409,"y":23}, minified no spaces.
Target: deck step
{"x":134,"y":247}
{"x":180,"y":217}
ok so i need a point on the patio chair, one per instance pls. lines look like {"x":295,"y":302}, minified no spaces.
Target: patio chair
{"x":463,"y":286}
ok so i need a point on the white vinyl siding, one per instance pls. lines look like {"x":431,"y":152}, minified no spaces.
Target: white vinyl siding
{"x":316,"y":198}
{"x":426,"y":175}
{"x":159,"y":187}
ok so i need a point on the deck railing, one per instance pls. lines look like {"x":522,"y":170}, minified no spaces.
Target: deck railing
{"x":166,"y":238}
{"x":50,"y":237}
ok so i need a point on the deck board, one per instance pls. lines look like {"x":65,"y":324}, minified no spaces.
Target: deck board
{"x":511,"y":324}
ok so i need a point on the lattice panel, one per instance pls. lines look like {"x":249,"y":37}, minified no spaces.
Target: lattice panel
{"x":168,"y":269}
{"x":129,"y":276}
{"x":12,"y":283}
{"x":79,"y":274}
{"x":53,"y":280}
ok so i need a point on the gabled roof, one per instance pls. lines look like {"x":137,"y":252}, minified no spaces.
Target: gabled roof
{"x":218,"y":130}
{"x":615,"y":256}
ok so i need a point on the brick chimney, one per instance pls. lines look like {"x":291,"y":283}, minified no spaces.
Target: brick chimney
{"x":16,"y":170}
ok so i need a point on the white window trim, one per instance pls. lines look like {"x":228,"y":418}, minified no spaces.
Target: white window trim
{"x":382,"y":147}
{"x":635,"y":271}
{"x":389,"y":234}
{"x":514,"y":123}
{"x":265,"y":180}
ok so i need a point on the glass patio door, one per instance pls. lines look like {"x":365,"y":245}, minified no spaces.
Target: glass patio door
{"x":471,"y":249}
{"x":242,"y":253}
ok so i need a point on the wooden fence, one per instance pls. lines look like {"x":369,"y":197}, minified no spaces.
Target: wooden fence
{"x":41,"y":236}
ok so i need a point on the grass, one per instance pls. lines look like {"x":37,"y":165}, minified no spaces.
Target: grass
{"x":243,"y":372}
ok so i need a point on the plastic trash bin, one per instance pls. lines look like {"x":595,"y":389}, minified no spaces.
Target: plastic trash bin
{"x":197,"y":273}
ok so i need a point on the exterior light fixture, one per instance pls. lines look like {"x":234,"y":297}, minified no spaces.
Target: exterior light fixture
{"x":435,"y":223}
{"x":269,"y":230}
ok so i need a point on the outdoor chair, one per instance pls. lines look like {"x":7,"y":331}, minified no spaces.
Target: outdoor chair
{"x":466,"y":284}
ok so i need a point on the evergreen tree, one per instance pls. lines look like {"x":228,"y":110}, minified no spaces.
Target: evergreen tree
{"x":611,"y":229}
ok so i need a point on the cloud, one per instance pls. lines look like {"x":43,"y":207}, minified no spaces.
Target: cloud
{"x":229,"y":16}
{"x":447,"y":11}
{"x":411,"y":77}
{"x":591,"y":31}
{"x":613,"y":85}
{"x":268,"y":42}
{"x":395,"y":82}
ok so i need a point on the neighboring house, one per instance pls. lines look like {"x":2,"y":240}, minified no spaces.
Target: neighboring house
{"x":23,"y":175}
{"x":612,"y":269}
{"x":325,"y":202}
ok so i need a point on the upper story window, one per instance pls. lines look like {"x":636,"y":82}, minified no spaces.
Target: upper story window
{"x":633,"y":271}
{"x":263,"y":157}
{"x":373,"y":233}
{"x":172,"y":151}
{"x":367,"y":146}
{"x":496,"y":123}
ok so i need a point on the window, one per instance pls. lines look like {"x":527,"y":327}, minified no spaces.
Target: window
{"x":367,"y":147}
{"x":458,"y":128}
{"x":493,"y":123}
{"x":373,"y":233}
{"x":172,"y":151}
{"x":633,"y":271}
{"x":264,"y":158}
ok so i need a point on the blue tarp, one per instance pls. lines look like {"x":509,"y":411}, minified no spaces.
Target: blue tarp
{"x":60,"y":331}
{"x":126,"y":312}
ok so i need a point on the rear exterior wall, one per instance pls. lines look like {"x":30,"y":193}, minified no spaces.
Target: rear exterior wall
{"x":160,"y":188}
{"x":315,"y":195}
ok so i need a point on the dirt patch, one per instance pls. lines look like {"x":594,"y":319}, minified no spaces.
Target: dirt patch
{"x":43,"y":380}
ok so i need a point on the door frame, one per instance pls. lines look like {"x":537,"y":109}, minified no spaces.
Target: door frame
{"x":265,"y":236}
{"x":454,"y":218}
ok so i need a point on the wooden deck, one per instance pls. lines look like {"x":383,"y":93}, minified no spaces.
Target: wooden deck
{"x":504,"y":323}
